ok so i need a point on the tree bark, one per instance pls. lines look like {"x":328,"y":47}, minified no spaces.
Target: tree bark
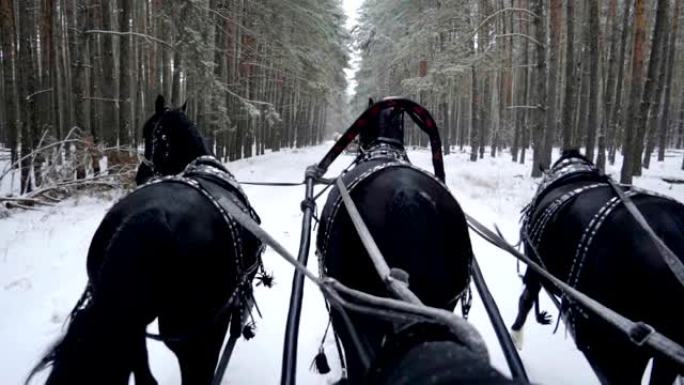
{"x":109,"y":84}
{"x":570,"y":100}
{"x":539,"y":90}
{"x":7,"y":39}
{"x":555,"y":14}
{"x":628,"y":146}
{"x":616,"y":112}
{"x":125,"y":75}
{"x":27,"y":92}
{"x":610,"y":82}
{"x":657,"y":42}
{"x":655,"y":112}
{"x":667,"y":99}
{"x":594,"y":85}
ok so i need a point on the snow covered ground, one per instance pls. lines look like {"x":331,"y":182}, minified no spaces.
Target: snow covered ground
{"x":42,"y":270}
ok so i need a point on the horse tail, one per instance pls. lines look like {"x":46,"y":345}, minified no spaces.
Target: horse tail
{"x":74,"y":321}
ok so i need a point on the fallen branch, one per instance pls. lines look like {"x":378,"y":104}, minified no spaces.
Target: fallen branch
{"x":136,"y":34}
{"x":17,"y":163}
{"x":673,"y":180}
{"x":19,"y":205}
{"x":26,"y":200}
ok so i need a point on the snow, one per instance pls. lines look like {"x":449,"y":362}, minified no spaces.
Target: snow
{"x":351,"y":9}
{"x":42,"y":270}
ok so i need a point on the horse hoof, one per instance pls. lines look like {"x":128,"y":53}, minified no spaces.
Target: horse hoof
{"x":517,"y":337}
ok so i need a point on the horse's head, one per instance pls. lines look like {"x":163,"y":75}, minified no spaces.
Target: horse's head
{"x":571,"y":164}
{"x":171,"y":142}
{"x":387,"y":127}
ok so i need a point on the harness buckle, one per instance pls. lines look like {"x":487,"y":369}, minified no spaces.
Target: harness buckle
{"x":640,"y":333}
{"x":307,"y":204}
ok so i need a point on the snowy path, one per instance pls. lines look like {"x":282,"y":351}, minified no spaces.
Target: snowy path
{"x":42,"y":270}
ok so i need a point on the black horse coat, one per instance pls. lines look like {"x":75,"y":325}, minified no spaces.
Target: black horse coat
{"x":418,"y":226}
{"x":166,"y":251}
{"x":586,"y":236}
{"x":163,"y":251}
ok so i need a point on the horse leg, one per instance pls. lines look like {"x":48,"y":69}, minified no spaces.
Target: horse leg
{"x":141,"y":367}
{"x":197,"y":349}
{"x":663,"y":372}
{"x":527,"y":300}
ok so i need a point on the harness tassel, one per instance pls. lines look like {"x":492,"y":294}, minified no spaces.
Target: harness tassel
{"x":320,"y":362}
{"x":265,"y":279}
{"x":248,"y":331}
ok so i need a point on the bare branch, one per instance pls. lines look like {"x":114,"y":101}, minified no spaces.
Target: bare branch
{"x":136,"y":34}
{"x":29,"y":97}
{"x":517,"y":34}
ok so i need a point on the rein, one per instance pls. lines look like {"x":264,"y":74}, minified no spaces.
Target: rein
{"x":423,"y":119}
{"x":313,"y":174}
{"x":567,"y":168}
{"x":639,"y":333}
{"x":344,"y":298}
{"x":207,"y":166}
{"x":670,"y":258}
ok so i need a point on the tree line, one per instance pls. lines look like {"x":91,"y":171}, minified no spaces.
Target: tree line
{"x":527,"y":75}
{"x":256,"y":75}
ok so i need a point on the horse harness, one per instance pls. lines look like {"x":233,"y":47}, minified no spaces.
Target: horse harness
{"x":382,"y":156}
{"x":545,"y":206}
{"x":211,"y":179}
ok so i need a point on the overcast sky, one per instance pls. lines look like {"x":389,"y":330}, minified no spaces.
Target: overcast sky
{"x":350,"y":8}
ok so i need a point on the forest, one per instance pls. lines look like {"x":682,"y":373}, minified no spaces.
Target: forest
{"x":502,"y":77}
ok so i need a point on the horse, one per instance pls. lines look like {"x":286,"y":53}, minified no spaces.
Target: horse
{"x":165,"y":251}
{"x":580,"y":231}
{"x":421,"y":230}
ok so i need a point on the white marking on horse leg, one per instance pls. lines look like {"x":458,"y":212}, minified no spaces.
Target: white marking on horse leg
{"x":518,"y":337}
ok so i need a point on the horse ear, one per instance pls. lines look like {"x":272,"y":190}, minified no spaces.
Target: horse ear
{"x":184,"y":107}
{"x":159,"y":104}
{"x":370,"y":102}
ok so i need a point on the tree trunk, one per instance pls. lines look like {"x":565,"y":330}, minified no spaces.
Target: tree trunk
{"x":594,"y":85}
{"x":570,"y":100}
{"x":27,"y":92}
{"x":616,"y":113}
{"x":667,"y":99}
{"x":610,"y":83}
{"x":626,"y":172}
{"x":7,"y":39}
{"x":555,"y":14}
{"x":109,"y":83}
{"x":655,"y":113}
{"x":81,"y":65}
{"x":657,"y":42}
{"x":125,"y":75}
{"x":474,"y":116}
{"x":539,"y":90}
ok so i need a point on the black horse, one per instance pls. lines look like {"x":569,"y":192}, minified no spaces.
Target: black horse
{"x":420,"y":228}
{"x":585,"y":236}
{"x":165,"y":251}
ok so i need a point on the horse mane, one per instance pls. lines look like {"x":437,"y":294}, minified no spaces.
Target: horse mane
{"x":572,"y":153}
{"x":189,"y":128}
{"x":185,"y":142}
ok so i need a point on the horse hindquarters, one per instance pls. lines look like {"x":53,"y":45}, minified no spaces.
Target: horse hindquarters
{"x":210,"y":267}
{"x":418,"y":227}
{"x":623,"y":270}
